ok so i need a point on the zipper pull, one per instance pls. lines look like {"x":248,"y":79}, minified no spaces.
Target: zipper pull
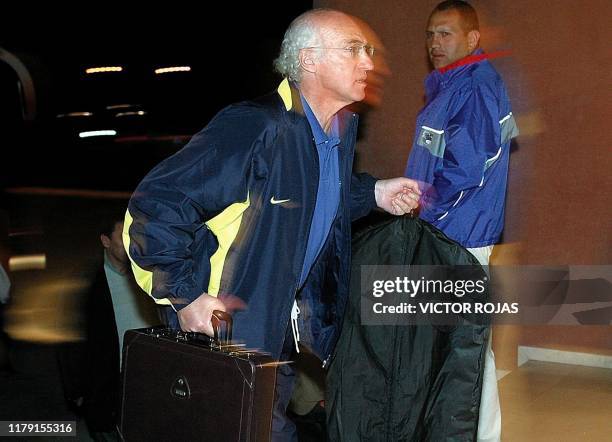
{"x":295,"y":311}
{"x":326,"y":360}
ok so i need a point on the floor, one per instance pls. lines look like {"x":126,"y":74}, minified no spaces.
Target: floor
{"x":544,"y":401}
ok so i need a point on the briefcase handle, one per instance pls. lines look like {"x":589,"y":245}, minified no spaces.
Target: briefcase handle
{"x":219,"y":316}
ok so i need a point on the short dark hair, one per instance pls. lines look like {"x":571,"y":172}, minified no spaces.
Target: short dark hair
{"x":469,"y":18}
{"x":109,"y":222}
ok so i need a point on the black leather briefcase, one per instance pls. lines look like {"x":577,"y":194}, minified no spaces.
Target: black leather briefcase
{"x":187,"y":387}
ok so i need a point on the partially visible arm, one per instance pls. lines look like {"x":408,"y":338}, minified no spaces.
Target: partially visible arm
{"x":362,"y":195}
{"x":168,"y":210}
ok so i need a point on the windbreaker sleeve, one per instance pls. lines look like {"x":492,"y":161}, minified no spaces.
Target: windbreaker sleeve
{"x":471,"y":136}
{"x":363,"y":199}
{"x":164,"y":231}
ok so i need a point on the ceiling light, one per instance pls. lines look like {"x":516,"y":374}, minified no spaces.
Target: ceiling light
{"x":172,"y":69}
{"x":103,"y":69}
{"x":98,"y":133}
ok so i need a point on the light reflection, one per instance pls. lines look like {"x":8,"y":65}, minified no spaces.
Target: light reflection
{"x":98,"y":133}
{"x":75,"y":114}
{"x":130,"y":114}
{"x":172,"y":69}
{"x":48,"y":312}
{"x":103,"y":69}
{"x":27,"y":262}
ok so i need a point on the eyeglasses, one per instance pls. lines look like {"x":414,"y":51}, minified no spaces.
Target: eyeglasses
{"x":354,"y":50}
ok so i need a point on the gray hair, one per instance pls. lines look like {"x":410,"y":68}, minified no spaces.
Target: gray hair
{"x":302,"y":33}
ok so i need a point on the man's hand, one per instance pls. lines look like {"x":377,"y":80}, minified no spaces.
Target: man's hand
{"x":196,"y":317}
{"x":397,"y":195}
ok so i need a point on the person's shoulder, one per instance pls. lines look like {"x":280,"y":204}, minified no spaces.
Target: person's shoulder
{"x":482,"y":80}
{"x":265,"y":110}
{"x":485,"y":72}
{"x":237,"y":126}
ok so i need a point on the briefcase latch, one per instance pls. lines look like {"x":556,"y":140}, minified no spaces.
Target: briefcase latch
{"x":180,"y":388}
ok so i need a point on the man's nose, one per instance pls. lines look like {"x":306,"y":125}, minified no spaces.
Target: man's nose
{"x":366,"y":61}
{"x":434,"y":41}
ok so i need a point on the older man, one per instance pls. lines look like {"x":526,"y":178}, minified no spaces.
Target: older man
{"x":461,"y":151}
{"x":256,"y":210}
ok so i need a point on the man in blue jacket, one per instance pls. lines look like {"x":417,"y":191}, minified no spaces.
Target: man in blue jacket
{"x":461,"y":151}
{"x":256,"y":210}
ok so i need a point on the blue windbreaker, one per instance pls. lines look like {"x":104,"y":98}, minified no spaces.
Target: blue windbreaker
{"x":460,"y":151}
{"x":230,"y":215}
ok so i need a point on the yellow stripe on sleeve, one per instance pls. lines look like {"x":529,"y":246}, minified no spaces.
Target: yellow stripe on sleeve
{"x":225,"y":227}
{"x":143,"y":277}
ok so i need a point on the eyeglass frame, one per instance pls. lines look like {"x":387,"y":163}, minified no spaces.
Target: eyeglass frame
{"x":361,"y":49}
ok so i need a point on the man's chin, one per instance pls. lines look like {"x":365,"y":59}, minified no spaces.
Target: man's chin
{"x":360,"y":93}
{"x":438,"y":62}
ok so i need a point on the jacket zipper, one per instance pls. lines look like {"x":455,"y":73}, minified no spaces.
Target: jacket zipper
{"x":297,"y":284}
{"x":346,"y":203}
{"x":345,"y":200}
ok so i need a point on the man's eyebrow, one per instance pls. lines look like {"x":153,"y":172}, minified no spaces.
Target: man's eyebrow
{"x":354,"y":41}
{"x":441,"y":28}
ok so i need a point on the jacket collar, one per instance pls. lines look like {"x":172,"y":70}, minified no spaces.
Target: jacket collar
{"x":446,"y":76}
{"x":290,"y":96}
{"x":477,"y":56}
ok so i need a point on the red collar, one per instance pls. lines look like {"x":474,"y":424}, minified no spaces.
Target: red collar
{"x":473,"y":59}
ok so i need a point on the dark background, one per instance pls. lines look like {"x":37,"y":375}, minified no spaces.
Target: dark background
{"x":230,"y":49}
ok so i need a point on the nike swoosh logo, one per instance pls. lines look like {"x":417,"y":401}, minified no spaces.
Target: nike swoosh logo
{"x":275,"y":201}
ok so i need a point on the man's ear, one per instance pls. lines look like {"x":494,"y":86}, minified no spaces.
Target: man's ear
{"x":473,"y":39}
{"x":307,"y":61}
{"x":105,"y":240}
